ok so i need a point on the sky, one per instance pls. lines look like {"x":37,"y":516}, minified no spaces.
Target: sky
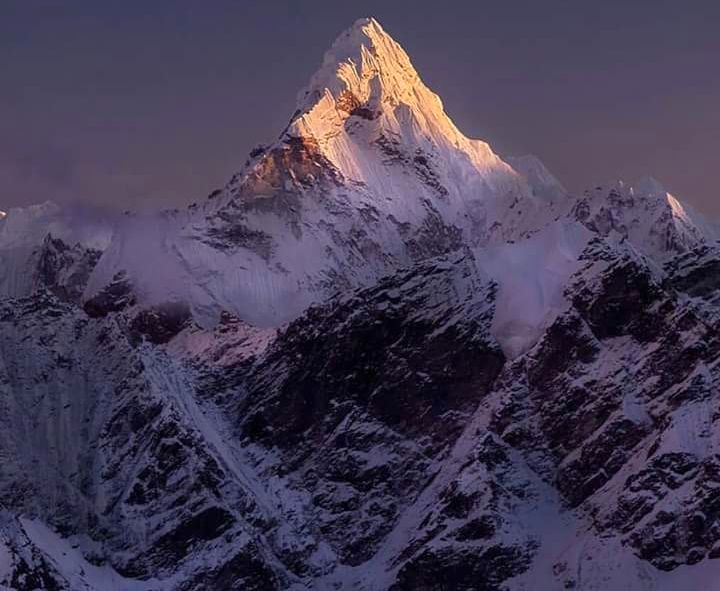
{"x":141,"y":105}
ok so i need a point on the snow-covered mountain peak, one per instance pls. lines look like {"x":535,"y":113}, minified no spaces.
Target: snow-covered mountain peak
{"x":650,"y":188}
{"x":381,"y":358}
{"x":365,"y":61}
{"x":655,"y":221}
{"x":367,"y":106}
{"x":370,"y":176}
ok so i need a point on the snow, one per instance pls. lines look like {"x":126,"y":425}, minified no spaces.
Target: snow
{"x":225,"y":345}
{"x":540,"y":179}
{"x":404,"y":169}
{"x":532,"y":275}
{"x":397,"y":165}
{"x":23,"y":230}
{"x":601,"y":563}
{"x":656,"y":223}
{"x":366,"y":62}
{"x":67,"y":557}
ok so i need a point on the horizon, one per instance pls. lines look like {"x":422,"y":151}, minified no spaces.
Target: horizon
{"x":154,"y":156}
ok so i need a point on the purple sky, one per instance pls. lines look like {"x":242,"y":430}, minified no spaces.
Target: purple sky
{"x":146,"y":104}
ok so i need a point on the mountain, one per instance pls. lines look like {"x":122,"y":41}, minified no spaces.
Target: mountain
{"x":381,"y":357}
{"x":647,"y":214}
{"x":369,"y":176}
{"x":31,"y":236}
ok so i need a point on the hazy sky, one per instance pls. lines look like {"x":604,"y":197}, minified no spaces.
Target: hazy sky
{"x":140,"y":103}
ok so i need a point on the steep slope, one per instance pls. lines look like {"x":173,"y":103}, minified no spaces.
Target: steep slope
{"x":367,"y":98}
{"x":380,"y":358}
{"x":238,"y":472}
{"x":116,"y":473}
{"x":380,"y":441}
{"x":651,"y":218}
{"x":632,"y":370}
{"x":370,"y":175}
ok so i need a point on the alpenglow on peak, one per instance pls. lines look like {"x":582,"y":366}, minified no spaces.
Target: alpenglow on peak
{"x":367,"y":93}
{"x":362,"y":53}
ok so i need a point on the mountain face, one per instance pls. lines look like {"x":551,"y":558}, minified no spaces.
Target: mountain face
{"x":382,"y":357}
{"x":369,"y":176}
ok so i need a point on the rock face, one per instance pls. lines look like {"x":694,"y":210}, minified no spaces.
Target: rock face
{"x":380,"y":358}
{"x":363,"y":395}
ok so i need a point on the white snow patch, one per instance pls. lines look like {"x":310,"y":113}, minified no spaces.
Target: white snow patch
{"x":531,"y":275}
{"x":67,"y":558}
